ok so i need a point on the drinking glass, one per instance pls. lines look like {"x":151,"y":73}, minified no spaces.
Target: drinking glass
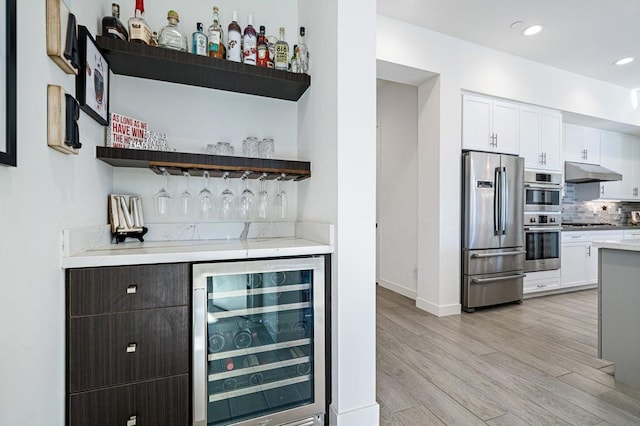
{"x":266,"y":148}
{"x":162,"y":198}
{"x":227,"y":199}
{"x":245,"y":203}
{"x":281,"y":198}
{"x":186,"y":200}
{"x":207,"y":201}
{"x":250,"y":147}
{"x":263,"y":198}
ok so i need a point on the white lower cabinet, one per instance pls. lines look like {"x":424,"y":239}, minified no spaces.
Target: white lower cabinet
{"x":579,"y":259}
{"x":541,"y":281}
{"x":631,"y":234}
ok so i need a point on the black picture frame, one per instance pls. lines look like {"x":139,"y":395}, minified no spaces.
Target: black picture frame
{"x":8,"y":147}
{"x":92,"y":82}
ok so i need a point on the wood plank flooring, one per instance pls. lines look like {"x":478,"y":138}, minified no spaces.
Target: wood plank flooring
{"x":529,"y":364}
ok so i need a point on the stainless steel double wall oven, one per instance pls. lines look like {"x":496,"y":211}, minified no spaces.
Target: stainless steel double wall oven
{"x":542,"y":220}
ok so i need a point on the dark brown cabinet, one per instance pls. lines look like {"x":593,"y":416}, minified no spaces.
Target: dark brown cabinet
{"x":128,"y":345}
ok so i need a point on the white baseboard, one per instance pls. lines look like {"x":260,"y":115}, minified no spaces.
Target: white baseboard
{"x":397,"y":288}
{"x":439,"y":310}
{"x":369,"y":416}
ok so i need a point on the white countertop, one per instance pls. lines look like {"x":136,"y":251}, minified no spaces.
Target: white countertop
{"x":135,"y":253}
{"x":628,"y":244}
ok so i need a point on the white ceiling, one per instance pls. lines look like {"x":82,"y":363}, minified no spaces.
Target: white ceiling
{"x":581,"y":36}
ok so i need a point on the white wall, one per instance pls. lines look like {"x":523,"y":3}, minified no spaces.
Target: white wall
{"x":465,"y":66}
{"x":397,"y":192}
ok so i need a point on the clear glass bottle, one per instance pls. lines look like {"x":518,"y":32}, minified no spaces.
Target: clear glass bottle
{"x":262,"y":49}
{"x":281,"y":60}
{"x":250,"y":43}
{"x":111,"y":25}
{"x":294,"y":64}
{"x":170,"y":36}
{"x":303,"y":52}
{"x":139,"y":31}
{"x":234,"y":43}
{"x":199,"y":41}
{"x":215,"y":36}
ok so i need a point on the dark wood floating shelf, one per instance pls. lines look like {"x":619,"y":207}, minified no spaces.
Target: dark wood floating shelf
{"x":177,"y":162}
{"x":140,"y":60}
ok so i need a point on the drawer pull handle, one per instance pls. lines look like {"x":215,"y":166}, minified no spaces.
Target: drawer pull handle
{"x":131,"y":347}
{"x":132,"y":421}
{"x":132,"y":289}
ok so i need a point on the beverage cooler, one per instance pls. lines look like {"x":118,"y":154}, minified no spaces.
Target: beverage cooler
{"x":258,"y":350}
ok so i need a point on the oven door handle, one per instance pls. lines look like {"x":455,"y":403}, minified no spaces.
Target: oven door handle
{"x":543,"y":186}
{"x":543,"y":229}
{"x":491,"y":280}
{"x":509,"y":253}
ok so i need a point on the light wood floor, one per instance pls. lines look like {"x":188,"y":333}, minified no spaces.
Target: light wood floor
{"x":529,"y":364}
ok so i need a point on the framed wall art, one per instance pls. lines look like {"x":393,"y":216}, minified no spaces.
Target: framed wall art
{"x":92,"y":83}
{"x":8,"y":141}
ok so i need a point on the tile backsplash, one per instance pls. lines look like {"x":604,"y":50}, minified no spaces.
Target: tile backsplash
{"x":618,"y":213}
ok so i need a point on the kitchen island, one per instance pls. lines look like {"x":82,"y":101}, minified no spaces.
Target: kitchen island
{"x":618,"y":307}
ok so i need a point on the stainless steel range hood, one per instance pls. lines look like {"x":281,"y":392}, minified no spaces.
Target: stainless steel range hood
{"x":585,"y":173}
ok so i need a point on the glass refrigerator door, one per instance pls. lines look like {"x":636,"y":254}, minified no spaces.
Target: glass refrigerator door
{"x":263,"y":331}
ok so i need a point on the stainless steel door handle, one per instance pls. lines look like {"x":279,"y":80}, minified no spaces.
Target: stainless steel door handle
{"x":199,"y":356}
{"x":485,"y":255}
{"x":497,"y":279}
{"x":504,"y":199}
{"x":543,"y":228}
{"x":496,"y":203}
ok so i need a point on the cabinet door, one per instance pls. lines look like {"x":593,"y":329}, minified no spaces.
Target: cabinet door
{"x":505,"y":126}
{"x":551,"y":140}
{"x":613,"y":153}
{"x":635,"y":168}
{"x":163,"y":402}
{"x":592,"y":145}
{"x":574,"y":143}
{"x":592,"y":264}
{"x":574,"y":263}
{"x":530,"y":137}
{"x":476,"y":123}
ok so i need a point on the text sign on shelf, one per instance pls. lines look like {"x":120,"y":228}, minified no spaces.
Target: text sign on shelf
{"x":126,"y":132}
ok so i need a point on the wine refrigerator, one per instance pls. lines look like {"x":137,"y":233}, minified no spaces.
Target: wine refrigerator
{"x":258,"y":350}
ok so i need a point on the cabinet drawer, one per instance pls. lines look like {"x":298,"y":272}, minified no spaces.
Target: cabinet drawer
{"x":126,"y":288}
{"x":163,"y":402}
{"x":114,"y":349}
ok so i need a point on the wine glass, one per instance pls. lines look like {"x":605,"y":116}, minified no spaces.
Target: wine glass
{"x":186,"y":199}
{"x":245,"y":203}
{"x":227,"y":199}
{"x":207,"y":201}
{"x":162,"y":198}
{"x":281,"y":198}
{"x":263,"y":198}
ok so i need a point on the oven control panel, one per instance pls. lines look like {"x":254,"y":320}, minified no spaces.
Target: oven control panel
{"x":542,"y":219}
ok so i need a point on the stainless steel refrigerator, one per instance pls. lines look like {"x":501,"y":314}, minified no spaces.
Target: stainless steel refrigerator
{"x":493,"y":250}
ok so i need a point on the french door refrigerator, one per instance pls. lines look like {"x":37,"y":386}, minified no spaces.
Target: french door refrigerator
{"x":493,"y":250}
{"x":258,"y":350}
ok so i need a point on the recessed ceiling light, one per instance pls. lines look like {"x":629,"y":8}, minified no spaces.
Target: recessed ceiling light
{"x":531,"y":30}
{"x":623,"y":61}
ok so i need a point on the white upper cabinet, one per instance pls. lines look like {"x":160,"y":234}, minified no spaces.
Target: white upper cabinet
{"x":541,"y":138}
{"x":581,"y":144}
{"x":489,"y":125}
{"x":617,"y":155}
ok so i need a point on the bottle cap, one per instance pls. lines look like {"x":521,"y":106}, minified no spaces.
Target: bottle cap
{"x":250,"y":19}
{"x":115,"y":10}
{"x":199,"y":26}
{"x":215,"y":9}
{"x":172,"y":14}
{"x":235,"y":16}
{"x":302,"y":31}
{"x":262,"y":29}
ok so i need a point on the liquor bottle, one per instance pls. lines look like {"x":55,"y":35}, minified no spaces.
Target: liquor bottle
{"x":170,"y":36}
{"x":111,"y":25}
{"x":303,"y":52}
{"x":214,"y":35}
{"x":139,"y":31}
{"x":281,"y":60}
{"x":250,"y":42}
{"x":234,"y":52}
{"x":294,"y":65}
{"x":199,"y":40}
{"x":154,"y":39}
{"x":262,"y":49}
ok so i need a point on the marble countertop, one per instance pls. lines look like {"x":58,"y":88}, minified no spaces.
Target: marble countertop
{"x":599,"y":228}
{"x":626,"y":244}
{"x":136,"y":253}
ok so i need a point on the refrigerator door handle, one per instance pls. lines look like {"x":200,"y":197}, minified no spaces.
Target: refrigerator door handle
{"x":199,"y":357}
{"x":504,"y":200}
{"x":497,"y":279}
{"x":497,"y":207}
